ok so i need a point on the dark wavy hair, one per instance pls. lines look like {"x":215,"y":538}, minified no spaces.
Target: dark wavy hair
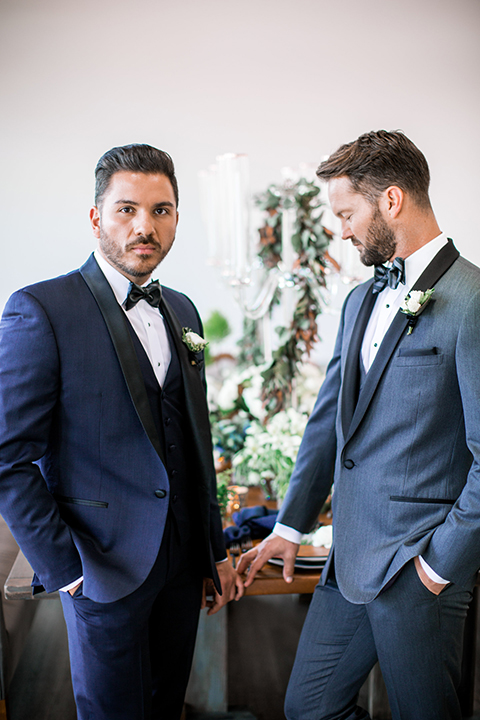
{"x":377,"y":160}
{"x":133,"y":158}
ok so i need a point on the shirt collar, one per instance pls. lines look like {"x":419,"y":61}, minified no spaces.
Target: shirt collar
{"x":118,"y":282}
{"x":418,"y":261}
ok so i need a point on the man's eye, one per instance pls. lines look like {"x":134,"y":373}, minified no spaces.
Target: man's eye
{"x":126,"y":210}
{"x":161,"y":211}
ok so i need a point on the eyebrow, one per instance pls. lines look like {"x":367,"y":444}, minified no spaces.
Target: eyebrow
{"x":165,"y":203}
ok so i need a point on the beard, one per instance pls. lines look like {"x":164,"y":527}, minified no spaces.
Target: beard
{"x":138,"y":266}
{"x":380,"y":243}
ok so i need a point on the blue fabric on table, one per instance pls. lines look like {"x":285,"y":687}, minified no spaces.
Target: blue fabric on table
{"x":251,"y":522}
{"x":235,"y":534}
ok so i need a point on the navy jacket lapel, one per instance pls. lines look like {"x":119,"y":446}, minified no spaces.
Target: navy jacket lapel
{"x":116,"y":323}
{"x":439,"y":265}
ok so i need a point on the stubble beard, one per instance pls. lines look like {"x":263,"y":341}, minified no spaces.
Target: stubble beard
{"x":380,"y":243}
{"x":145,"y":264}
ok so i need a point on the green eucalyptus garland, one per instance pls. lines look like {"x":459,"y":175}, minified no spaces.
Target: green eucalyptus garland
{"x":310,"y":240}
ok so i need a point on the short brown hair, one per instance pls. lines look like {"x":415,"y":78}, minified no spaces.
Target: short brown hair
{"x":377,"y":160}
{"x":133,"y":158}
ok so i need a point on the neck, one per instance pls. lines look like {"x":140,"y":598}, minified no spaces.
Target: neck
{"x":415,"y":235}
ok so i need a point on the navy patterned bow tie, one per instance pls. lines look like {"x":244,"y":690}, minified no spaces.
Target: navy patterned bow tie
{"x":152,"y":293}
{"x":391,"y":276}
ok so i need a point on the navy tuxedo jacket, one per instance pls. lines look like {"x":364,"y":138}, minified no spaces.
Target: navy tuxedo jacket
{"x":82,"y":483}
{"x":405,"y":456}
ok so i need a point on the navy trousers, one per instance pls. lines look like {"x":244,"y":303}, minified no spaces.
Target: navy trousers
{"x":130,"y":659}
{"x":416,"y":636}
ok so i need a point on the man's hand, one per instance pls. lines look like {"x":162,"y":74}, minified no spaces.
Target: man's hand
{"x":232,"y":588}
{"x":434,"y":587}
{"x":272,"y":546}
{"x":73,"y":590}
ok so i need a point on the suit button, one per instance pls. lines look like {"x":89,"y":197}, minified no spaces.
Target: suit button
{"x":160,"y":493}
{"x":171,"y":447}
{"x":175,"y":498}
{"x":168,"y":421}
{"x":349,"y":464}
{"x":173,"y":473}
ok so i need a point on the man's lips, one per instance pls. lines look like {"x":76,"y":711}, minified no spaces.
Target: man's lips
{"x":144,"y":249}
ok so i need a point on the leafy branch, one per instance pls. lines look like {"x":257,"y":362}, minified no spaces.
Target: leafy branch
{"x":310,"y":240}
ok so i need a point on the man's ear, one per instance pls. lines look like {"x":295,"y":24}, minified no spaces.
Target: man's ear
{"x":393,"y":199}
{"x":95,"y":221}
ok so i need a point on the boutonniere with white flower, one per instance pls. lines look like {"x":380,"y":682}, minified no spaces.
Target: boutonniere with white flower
{"x":414,"y":304}
{"x":195,"y":344}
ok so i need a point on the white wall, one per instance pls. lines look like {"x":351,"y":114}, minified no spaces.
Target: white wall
{"x":285,"y":82}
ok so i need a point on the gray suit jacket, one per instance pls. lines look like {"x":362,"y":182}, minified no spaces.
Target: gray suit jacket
{"x":405,"y":457}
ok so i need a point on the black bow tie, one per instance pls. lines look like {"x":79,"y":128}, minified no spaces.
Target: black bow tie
{"x":152,"y":293}
{"x":393,"y":275}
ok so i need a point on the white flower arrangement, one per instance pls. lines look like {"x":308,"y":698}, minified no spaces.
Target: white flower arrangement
{"x":246,"y":384}
{"x":270,"y":451}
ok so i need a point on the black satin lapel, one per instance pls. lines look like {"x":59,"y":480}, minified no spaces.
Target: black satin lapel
{"x":194,"y":389}
{"x":116,"y":323}
{"x":197,"y":411}
{"x":351,"y":373}
{"x":442,"y":261}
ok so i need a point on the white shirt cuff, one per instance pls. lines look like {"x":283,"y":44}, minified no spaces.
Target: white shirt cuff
{"x":288,"y":533}
{"x":218,"y":562}
{"x":431,"y":573}
{"x":71,"y":585}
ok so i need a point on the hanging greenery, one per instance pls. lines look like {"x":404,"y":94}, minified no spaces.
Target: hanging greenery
{"x":310,"y":240}
{"x":250,"y":351}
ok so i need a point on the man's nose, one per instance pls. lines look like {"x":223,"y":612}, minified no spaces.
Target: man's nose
{"x":143,"y":224}
{"x":346,"y":232}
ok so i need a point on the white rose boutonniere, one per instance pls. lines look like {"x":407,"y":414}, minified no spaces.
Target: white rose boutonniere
{"x":195,"y":344}
{"x":414,"y":304}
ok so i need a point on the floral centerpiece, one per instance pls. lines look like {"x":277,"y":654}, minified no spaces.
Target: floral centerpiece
{"x":262,"y":450}
{"x":269,"y":454}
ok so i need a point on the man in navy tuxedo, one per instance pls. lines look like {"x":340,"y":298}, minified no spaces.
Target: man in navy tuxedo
{"x":106,"y":473}
{"x":397,"y":427}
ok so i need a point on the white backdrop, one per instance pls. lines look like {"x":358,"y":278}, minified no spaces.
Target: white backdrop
{"x":285,"y":82}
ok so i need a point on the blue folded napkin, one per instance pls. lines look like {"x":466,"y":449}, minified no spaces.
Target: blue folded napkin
{"x":250,"y":522}
{"x":234,"y":534}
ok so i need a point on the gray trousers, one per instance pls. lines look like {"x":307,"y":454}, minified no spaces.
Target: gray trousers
{"x":416,"y":636}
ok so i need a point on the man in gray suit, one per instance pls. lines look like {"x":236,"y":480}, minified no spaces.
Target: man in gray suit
{"x":397,"y":426}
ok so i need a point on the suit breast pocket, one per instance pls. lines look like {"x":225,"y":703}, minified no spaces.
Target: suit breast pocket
{"x":418,"y":357}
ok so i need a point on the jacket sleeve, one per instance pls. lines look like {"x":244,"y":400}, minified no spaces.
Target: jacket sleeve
{"x":29,"y":386}
{"x":313,"y":473}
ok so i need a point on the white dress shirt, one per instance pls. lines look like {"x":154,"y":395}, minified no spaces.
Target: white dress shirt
{"x":149,"y":326}
{"x":146,"y":320}
{"x":386,"y":307}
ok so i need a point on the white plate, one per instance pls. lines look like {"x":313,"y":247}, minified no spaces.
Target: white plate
{"x":311,"y":564}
